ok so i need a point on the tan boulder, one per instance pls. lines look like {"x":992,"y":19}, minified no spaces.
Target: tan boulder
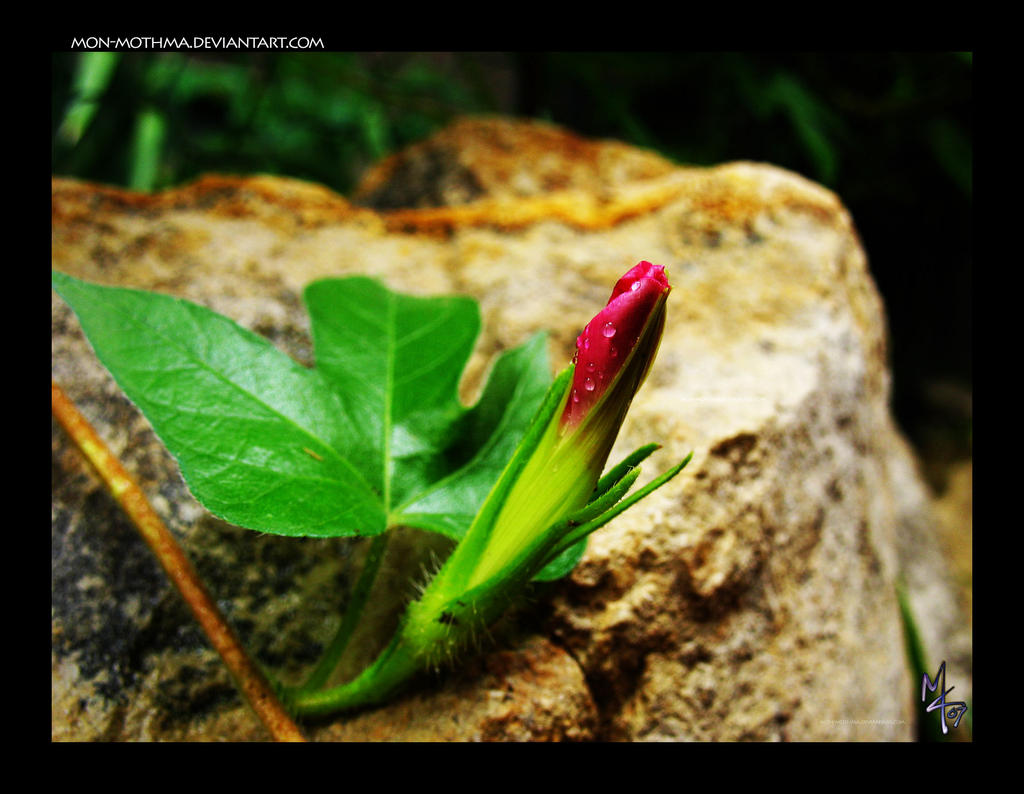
{"x":754,"y":597}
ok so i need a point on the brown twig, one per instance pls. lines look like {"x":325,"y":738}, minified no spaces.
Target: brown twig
{"x":249,"y":678}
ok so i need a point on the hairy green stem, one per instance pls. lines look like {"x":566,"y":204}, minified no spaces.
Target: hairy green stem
{"x":449,"y":616}
{"x":395,"y":665}
{"x":434,"y":630}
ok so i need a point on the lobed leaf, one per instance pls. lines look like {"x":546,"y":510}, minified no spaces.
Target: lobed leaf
{"x":374,"y":435}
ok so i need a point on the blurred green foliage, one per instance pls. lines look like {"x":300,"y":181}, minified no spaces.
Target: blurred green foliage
{"x":326,"y":116}
{"x":321,"y":117}
{"x":890,"y":133}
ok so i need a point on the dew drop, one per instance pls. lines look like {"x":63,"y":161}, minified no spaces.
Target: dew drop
{"x":575,"y":395}
{"x":591,"y":365}
{"x":613,"y":352}
{"x":588,"y":384}
{"x":634,"y":286}
{"x":586,"y":344}
{"x":608,"y":331}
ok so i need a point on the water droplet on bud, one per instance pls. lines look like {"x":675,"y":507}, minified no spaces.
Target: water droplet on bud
{"x":591,"y":365}
{"x":588,"y":384}
{"x":634,"y":286}
{"x":608,"y":331}
{"x":575,"y":396}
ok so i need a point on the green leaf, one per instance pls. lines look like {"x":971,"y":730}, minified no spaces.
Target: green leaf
{"x":562,"y":563}
{"x":482,"y":442}
{"x":374,"y":436}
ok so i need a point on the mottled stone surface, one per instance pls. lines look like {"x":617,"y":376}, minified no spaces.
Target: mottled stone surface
{"x":753,"y":598}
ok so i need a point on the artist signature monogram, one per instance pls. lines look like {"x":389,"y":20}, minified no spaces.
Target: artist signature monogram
{"x":948,"y":710}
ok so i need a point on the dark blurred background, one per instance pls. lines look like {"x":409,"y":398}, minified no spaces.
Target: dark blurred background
{"x":890,"y":133}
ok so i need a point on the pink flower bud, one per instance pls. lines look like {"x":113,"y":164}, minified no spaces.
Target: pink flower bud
{"x":559,"y":462}
{"x":607,"y":341}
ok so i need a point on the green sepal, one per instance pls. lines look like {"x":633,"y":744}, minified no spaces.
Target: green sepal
{"x":618,"y":471}
{"x":609,"y":490}
{"x":584,"y":530}
{"x":560,"y":564}
{"x":460,"y":565}
{"x":569,"y":526}
{"x":616,"y":485}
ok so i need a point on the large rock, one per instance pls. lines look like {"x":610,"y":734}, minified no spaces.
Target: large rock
{"x":754,"y":597}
